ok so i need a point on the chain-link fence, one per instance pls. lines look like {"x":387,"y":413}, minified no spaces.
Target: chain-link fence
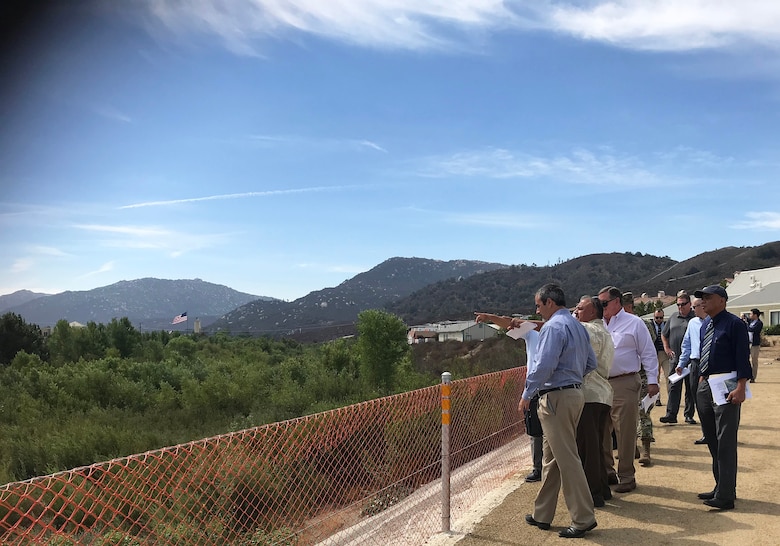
{"x":363,"y":474}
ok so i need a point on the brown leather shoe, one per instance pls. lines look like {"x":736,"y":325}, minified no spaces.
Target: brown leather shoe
{"x":626,"y":487}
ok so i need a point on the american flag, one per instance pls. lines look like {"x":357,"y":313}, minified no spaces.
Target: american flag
{"x":180,"y":318}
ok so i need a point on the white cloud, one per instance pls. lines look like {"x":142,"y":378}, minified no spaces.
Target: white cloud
{"x":578,"y":167}
{"x":105,"y":268}
{"x":662,"y":25}
{"x":760,"y":221}
{"x":21,"y":265}
{"x":113,"y":114}
{"x":173,"y":243}
{"x":372,"y":145}
{"x":502,"y":220}
{"x":670,"y":25}
{"x":48,"y":251}
{"x":326,"y":143}
{"x":699,"y":158}
{"x":391,"y":24}
{"x":243,"y":195}
{"x":136,"y":231}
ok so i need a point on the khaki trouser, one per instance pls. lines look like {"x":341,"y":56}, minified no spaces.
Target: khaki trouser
{"x":625,"y":415}
{"x":559,"y":412}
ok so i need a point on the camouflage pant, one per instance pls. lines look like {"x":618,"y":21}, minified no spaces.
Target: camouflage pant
{"x":644,"y":428}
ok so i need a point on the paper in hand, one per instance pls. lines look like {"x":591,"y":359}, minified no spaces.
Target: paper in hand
{"x":521,"y":331}
{"x":649,"y":401}
{"x":675,"y":377}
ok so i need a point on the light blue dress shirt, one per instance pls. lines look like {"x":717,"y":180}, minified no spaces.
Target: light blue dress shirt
{"x":691,"y":343}
{"x":563,"y":356}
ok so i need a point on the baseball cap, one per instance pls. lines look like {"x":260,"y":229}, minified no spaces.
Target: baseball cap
{"x":713,"y":289}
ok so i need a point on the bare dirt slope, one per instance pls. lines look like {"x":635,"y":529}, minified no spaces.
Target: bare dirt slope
{"x":664,"y":508}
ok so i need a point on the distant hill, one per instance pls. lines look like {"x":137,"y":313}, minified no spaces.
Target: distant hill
{"x":18,"y":298}
{"x":511,"y":290}
{"x":709,"y":268}
{"x":331,"y":309}
{"x":148,"y":303}
{"x":419,"y":290}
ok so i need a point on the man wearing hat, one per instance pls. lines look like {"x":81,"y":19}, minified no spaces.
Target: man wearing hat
{"x":754,"y":334}
{"x":724,"y":349}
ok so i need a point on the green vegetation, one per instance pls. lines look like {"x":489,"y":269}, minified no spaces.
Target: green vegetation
{"x":85,"y":395}
{"x":645,"y":308}
{"x":772,"y":330}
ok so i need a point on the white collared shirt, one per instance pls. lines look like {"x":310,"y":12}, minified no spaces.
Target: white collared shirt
{"x":634,"y":348}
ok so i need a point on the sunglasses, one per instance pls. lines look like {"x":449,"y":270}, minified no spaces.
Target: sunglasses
{"x":683,"y":304}
{"x":604,"y":303}
{"x":658,"y":318}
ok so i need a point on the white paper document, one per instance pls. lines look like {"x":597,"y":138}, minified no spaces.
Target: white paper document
{"x":649,"y":401}
{"x":520,"y":331}
{"x":721,"y":384}
{"x":675,"y":377}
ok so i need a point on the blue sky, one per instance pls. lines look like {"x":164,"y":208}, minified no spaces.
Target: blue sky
{"x":284,"y":146}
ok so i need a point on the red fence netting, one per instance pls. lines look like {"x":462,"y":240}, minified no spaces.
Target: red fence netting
{"x":362,"y":474}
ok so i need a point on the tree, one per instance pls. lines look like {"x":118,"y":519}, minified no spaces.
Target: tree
{"x":123,"y":336}
{"x":382,"y":345}
{"x":16,"y":335}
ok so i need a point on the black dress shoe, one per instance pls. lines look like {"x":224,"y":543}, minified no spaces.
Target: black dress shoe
{"x":709,"y":495}
{"x":529,"y":519}
{"x":700,"y":441}
{"x":573,"y":532}
{"x":668,"y":419}
{"x":534,"y":476}
{"x":690,"y":420}
{"x":720,"y":504}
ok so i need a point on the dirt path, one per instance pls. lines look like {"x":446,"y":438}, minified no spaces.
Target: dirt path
{"x":664,"y":508}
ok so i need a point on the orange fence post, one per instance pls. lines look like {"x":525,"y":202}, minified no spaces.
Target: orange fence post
{"x":446,"y":379}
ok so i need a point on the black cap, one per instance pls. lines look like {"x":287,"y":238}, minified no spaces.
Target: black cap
{"x":716,"y":289}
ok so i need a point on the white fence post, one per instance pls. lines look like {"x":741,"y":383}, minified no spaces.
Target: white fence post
{"x":446,"y":379}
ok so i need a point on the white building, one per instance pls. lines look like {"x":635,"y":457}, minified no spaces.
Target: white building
{"x":461,"y":330}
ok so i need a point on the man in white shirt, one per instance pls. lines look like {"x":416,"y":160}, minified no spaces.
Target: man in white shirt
{"x":634,"y":348}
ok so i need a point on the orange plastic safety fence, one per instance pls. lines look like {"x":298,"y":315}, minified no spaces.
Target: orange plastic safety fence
{"x":367,"y":473}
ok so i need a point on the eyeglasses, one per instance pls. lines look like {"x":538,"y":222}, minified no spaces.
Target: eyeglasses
{"x":683,"y":304}
{"x":658,"y":318}
{"x":604,"y":303}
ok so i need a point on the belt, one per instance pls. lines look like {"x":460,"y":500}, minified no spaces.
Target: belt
{"x":623,"y":375}
{"x":542,"y":392}
{"x":694,"y":359}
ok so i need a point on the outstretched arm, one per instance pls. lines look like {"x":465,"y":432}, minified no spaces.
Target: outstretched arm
{"x":500,"y":320}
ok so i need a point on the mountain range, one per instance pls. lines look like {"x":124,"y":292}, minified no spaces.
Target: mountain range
{"x":418,"y":290}
{"x":512,"y":290}
{"x":149,"y":303}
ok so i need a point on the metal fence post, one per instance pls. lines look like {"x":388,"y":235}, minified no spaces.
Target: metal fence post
{"x":446,"y":379}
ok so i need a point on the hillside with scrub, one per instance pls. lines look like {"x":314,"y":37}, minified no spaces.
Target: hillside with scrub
{"x":91,"y":394}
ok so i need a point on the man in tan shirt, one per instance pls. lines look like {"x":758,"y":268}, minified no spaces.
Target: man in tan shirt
{"x":593,"y":428}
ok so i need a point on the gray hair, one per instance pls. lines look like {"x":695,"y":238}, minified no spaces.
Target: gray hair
{"x":552,"y":291}
{"x":614,"y":293}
